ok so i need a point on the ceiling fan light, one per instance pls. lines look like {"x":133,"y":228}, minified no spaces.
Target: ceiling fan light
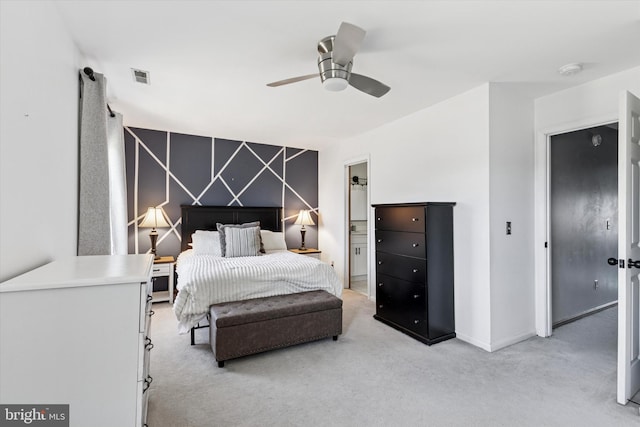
{"x":335,"y":84}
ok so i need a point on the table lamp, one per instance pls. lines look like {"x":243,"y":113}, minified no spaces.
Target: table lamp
{"x":304,"y":218}
{"x":153,"y":219}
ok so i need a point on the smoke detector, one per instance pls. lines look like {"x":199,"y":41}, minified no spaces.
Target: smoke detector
{"x":140,"y":76}
{"x":570,"y":69}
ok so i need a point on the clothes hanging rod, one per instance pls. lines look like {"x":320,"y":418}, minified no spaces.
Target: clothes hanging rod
{"x":89,"y":72}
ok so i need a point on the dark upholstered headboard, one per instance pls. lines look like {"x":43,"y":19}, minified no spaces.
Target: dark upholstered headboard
{"x":205,"y":218}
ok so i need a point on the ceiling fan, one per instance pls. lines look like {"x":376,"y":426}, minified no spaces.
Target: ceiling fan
{"x":335,"y":62}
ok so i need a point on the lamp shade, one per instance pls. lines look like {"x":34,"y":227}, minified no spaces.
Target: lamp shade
{"x":154,"y":218}
{"x":304,"y":218}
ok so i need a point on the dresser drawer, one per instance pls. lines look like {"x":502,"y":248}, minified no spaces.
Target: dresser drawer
{"x":408,"y":218}
{"x":402,"y":267}
{"x":411,"y":319}
{"x":402,"y":243}
{"x":401,"y":302}
{"x":145,"y":305}
{"x":402,"y":291}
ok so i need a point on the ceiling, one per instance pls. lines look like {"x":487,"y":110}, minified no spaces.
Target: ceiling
{"x":210,"y":61}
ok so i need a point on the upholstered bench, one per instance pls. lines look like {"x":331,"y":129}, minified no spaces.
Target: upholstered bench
{"x":241,"y":328}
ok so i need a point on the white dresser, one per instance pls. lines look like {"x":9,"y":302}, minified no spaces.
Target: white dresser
{"x":75,"y":332}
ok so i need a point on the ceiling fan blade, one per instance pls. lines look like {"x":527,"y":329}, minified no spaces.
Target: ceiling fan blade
{"x":368,"y":85}
{"x":347,"y":43}
{"x":292,"y":80}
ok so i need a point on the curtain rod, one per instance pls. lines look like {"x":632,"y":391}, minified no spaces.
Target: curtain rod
{"x":89,"y":72}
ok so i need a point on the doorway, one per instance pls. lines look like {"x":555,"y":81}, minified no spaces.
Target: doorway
{"x":583,"y":218}
{"x":628,"y":251}
{"x":358,"y":227}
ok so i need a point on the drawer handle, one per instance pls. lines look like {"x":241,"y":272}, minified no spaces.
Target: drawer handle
{"x":415,"y":270}
{"x":379,"y":262}
{"x":155,"y":270}
{"x":415,"y":219}
{"x":416,"y":322}
{"x":147,"y":383}
{"x":151,"y":313}
{"x":147,"y":341}
{"x":380,"y":284}
{"x":149,"y":298}
{"x":415,"y":245}
{"x":381,"y":306}
{"x":379,"y":219}
{"x":416,"y":296}
{"x":379,"y":240}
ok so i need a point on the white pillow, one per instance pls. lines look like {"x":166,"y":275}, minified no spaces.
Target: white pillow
{"x":206,"y":243}
{"x":273,"y":241}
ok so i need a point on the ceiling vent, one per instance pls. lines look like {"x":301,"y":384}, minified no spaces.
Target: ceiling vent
{"x":140,"y":76}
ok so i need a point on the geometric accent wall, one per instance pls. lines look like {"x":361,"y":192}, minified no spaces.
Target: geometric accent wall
{"x":167,"y":169}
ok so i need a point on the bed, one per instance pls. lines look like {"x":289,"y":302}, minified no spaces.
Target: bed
{"x":205,"y":277}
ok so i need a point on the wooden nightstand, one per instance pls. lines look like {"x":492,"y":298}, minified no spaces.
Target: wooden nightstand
{"x":312,"y":252}
{"x":163,"y":267}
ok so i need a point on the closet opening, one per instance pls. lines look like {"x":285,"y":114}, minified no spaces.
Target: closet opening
{"x":583,"y":218}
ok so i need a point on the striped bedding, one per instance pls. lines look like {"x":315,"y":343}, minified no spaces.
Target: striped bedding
{"x":204,"y":280}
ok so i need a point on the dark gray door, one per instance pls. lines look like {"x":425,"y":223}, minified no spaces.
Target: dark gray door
{"x":584,"y":221}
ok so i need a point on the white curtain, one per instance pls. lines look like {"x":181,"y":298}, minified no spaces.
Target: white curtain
{"x":117,"y":185}
{"x":102,"y":217}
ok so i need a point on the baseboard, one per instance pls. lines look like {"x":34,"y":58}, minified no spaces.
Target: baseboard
{"x":473,"y":341}
{"x":498,"y":345}
{"x":512,"y":340}
{"x":585,"y":314}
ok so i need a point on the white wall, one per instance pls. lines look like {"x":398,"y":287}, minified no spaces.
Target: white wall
{"x":589,"y":102}
{"x":437,"y":154}
{"x":587,"y":105}
{"x":38,"y":137}
{"x":511,"y":195}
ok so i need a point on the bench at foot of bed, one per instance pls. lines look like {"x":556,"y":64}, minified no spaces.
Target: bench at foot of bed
{"x":241,"y":328}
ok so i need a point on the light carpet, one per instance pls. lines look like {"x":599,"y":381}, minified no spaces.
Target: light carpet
{"x":376,"y":376}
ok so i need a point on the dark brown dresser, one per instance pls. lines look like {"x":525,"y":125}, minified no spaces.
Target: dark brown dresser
{"x":414,"y":269}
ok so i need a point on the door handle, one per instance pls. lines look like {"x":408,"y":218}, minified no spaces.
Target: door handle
{"x":630,"y":263}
